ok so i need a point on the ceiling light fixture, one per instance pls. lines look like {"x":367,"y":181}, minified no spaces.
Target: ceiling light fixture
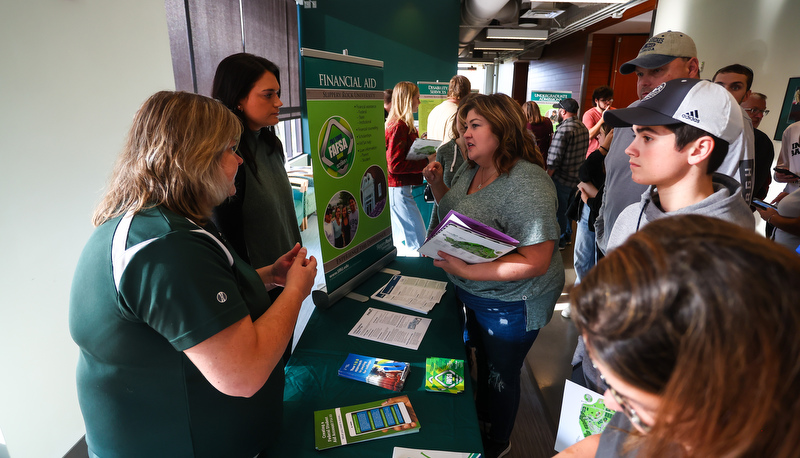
{"x":541,"y":14}
{"x":498,"y":46}
{"x":516,"y":34}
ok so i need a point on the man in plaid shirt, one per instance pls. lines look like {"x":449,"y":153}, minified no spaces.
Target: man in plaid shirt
{"x":564,"y":158}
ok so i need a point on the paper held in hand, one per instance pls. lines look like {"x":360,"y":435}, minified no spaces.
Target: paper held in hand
{"x":467,"y":239}
{"x":422,"y":148}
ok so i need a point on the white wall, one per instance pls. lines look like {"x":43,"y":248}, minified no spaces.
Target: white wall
{"x":760,"y":34}
{"x":505,"y":78}
{"x":72,"y":74}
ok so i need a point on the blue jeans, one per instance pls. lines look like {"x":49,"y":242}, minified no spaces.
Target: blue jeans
{"x":585,"y":253}
{"x":564,"y":194}
{"x":407,"y":223}
{"x":497,"y":331}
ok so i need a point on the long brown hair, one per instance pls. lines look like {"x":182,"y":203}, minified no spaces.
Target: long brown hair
{"x":508,"y":124}
{"x":532,"y":112}
{"x":171,"y":158}
{"x":704,"y":314}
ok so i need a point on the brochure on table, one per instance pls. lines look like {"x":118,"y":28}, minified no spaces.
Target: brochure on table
{"x":583,"y":413}
{"x":391,"y":328}
{"x":412,"y":293}
{"x":384,"y":373}
{"x":467,"y":239}
{"x":363,"y":422}
{"x":402,"y":452}
{"x":344,"y":131}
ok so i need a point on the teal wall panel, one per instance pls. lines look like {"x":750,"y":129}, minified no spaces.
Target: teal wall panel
{"x":417,"y":40}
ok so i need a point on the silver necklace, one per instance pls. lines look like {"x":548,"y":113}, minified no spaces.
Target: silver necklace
{"x":480,"y":185}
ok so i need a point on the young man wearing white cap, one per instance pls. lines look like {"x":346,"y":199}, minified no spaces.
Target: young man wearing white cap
{"x":682,"y":132}
{"x":664,"y":57}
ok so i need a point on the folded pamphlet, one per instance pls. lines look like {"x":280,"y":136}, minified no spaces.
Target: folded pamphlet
{"x":384,"y":373}
{"x":467,"y":239}
{"x":363,"y":422}
{"x":422,"y":148}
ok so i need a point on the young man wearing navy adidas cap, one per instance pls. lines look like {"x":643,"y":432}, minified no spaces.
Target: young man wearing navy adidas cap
{"x":682,"y":132}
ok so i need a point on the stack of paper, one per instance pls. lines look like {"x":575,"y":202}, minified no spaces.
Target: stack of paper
{"x":413,"y":293}
{"x":467,"y":239}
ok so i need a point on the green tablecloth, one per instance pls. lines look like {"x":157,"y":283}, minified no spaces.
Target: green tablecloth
{"x":449,"y":422}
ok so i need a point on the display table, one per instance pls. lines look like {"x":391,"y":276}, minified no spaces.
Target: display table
{"x":449,"y":421}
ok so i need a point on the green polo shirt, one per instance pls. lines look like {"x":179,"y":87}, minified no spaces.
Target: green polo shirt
{"x":146,"y":288}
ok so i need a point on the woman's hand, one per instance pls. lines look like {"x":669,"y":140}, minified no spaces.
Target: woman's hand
{"x":433,"y":172}
{"x":301,"y":273}
{"x":588,"y":191}
{"x":283,"y":264}
{"x":450,"y":264}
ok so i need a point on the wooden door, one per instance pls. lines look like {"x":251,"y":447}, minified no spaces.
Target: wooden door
{"x":626,"y":47}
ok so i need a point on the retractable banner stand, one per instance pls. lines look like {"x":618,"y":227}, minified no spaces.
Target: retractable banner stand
{"x":343,"y":116}
{"x":430,"y":95}
{"x":546,"y":99}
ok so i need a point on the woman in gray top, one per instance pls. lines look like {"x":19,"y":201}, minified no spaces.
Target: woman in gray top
{"x":509,"y":299}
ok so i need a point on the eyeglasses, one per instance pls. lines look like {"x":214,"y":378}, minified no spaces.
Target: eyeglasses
{"x":623,"y":402}
{"x":605,"y":100}
{"x":755,"y":111}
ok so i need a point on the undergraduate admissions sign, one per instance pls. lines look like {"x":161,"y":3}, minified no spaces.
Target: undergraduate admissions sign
{"x":343,"y":111}
{"x":546,"y":100}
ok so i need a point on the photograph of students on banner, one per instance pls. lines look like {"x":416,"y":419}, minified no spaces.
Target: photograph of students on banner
{"x":339,"y":227}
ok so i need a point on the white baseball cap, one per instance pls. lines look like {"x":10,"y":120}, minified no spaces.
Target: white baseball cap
{"x":660,"y":50}
{"x":695,"y":102}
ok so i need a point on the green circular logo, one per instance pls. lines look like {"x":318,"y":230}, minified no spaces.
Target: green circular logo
{"x":336,"y":146}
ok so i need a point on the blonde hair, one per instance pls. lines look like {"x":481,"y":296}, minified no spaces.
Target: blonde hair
{"x":171,"y":158}
{"x":402,"y":104}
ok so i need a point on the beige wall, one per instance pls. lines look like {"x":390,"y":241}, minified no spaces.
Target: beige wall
{"x":72,"y":74}
{"x":761,"y":34}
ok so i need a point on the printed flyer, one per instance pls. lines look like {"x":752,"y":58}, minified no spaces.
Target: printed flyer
{"x":363,"y":422}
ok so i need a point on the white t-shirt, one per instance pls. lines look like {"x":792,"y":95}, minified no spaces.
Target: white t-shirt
{"x":788,"y":207}
{"x":440,"y":121}
{"x":789,"y":156}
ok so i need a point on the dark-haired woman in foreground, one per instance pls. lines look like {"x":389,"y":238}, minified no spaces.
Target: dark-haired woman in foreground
{"x":693,"y":325}
{"x":259,"y":221}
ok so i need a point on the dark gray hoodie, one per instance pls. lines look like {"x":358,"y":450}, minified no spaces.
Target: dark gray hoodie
{"x":726,"y":204}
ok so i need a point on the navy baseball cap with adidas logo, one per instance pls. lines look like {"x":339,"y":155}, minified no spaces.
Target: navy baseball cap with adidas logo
{"x":695,"y":102}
